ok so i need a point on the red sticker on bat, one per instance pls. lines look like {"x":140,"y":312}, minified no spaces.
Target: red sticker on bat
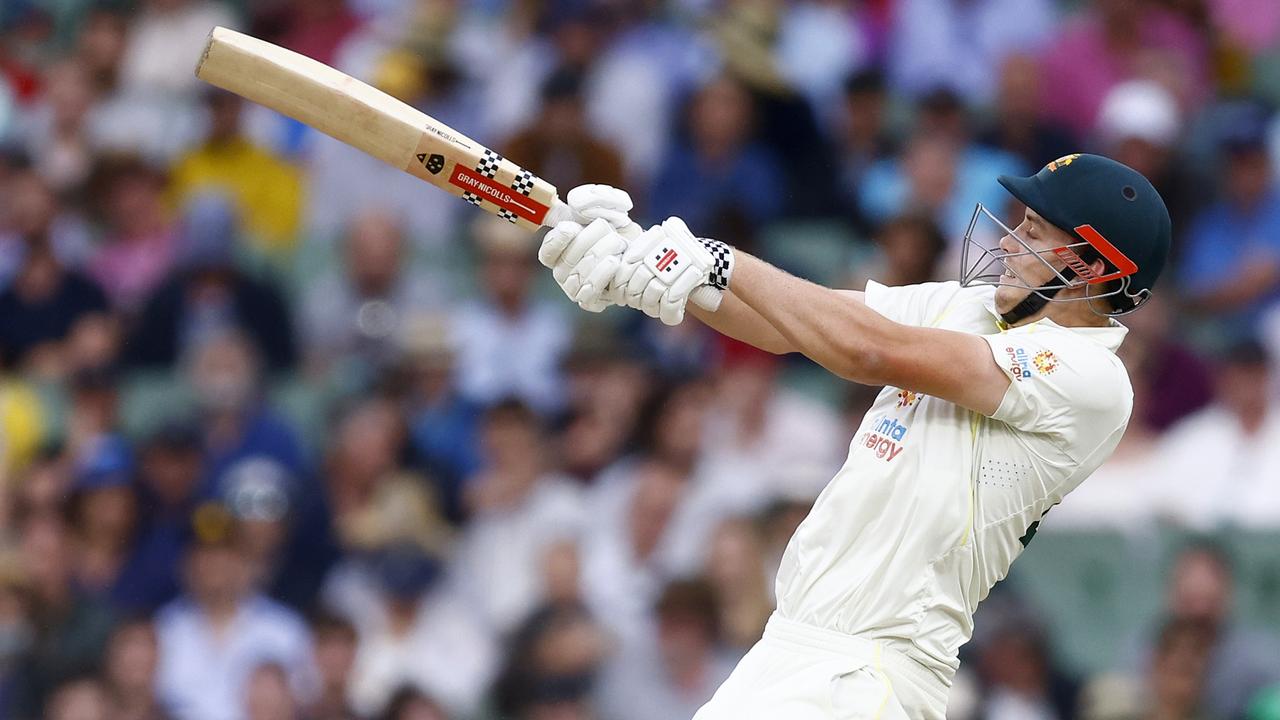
{"x":504,"y":197}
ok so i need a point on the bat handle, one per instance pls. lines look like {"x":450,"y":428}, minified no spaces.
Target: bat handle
{"x":705,"y":297}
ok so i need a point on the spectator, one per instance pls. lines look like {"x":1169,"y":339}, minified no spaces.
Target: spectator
{"x":735,"y":568}
{"x":552,"y":666}
{"x":909,"y":250}
{"x":137,"y":253}
{"x":443,"y":425}
{"x":16,"y":628}
{"x":71,"y":629}
{"x":46,"y":302}
{"x":517,"y":509}
{"x":129,"y":671}
{"x":410,"y":704}
{"x":863,"y":135}
{"x":1111,"y":41}
{"x":962,"y":45}
{"x":82,"y":698}
{"x":103,"y":513}
{"x":315,"y":29}
{"x":558,"y":145}
{"x":1017,"y":125}
{"x":94,"y":411}
{"x":335,"y":649}
{"x":1231,"y":267}
{"x":1196,"y":488}
{"x":165,"y":41}
{"x":364,"y":455}
{"x":266,"y":190}
{"x":942,"y":172}
{"x":1016,"y":665}
{"x":416,"y":634}
{"x":357,"y":316}
{"x":267,"y":695}
{"x":236,"y":424}
{"x":507,"y":322}
{"x":56,"y":134}
{"x":209,"y":294}
{"x":32,"y":217}
{"x":1240,"y":661}
{"x":717,"y":169}
{"x":1172,"y":688}
{"x":673,"y":674}
{"x":214,"y":635}
{"x":169,"y":473}
{"x":754,"y":435}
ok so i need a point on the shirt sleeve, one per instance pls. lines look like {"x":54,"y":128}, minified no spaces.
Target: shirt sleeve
{"x":918,"y":305}
{"x":1062,"y":386}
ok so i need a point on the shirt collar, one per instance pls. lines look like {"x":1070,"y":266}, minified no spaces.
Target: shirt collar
{"x":1109,"y":336}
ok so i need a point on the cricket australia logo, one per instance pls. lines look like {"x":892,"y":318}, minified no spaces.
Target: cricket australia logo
{"x":434,"y":162}
{"x":1046,"y":362}
{"x":907,"y":398}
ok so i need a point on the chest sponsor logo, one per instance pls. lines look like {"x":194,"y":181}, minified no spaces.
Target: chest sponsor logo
{"x":884,"y":438}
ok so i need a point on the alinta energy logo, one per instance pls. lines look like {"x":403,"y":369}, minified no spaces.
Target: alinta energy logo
{"x":1046,"y":362}
{"x":884,"y":438}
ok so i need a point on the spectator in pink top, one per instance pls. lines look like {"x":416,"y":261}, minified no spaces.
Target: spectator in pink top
{"x":137,"y":252}
{"x":1116,"y":40}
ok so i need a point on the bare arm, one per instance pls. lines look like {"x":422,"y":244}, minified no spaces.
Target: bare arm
{"x":856,"y":343}
{"x":739,"y":321}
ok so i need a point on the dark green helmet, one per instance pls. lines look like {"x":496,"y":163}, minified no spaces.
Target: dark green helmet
{"x":1111,"y":208}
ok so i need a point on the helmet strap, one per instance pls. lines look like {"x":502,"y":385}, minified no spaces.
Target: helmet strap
{"x":1035,"y":300}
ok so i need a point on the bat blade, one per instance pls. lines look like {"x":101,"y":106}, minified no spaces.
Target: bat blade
{"x":370,"y":120}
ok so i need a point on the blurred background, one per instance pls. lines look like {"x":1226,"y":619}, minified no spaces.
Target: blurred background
{"x":287,"y":434}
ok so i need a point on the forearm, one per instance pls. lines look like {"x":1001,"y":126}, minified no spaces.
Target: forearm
{"x":737,"y":320}
{"x":834,"y":330}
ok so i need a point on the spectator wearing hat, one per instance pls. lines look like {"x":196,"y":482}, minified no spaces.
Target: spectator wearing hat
{"x":444,"y":426}
{"x":170,"y":469}
{"x":1231,"y":268}
{"x":507,"y":321}
{"x":353,"y":319}
{"x":1111,"y":41}
{"x":103,"y":513}
{"x":1140,"y":125}
{"x":210,"y":294}
{"x":213,"y":636}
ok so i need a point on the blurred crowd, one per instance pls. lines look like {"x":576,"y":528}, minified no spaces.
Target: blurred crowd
{"x":285,"y":434}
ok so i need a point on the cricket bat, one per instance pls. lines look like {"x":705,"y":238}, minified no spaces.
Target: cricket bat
{"x":370,"y":120}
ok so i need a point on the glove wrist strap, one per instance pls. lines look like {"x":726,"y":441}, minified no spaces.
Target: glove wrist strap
{"x":721,"y":262}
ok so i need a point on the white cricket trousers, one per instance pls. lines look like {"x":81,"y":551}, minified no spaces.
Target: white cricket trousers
{"x":803,"y":672}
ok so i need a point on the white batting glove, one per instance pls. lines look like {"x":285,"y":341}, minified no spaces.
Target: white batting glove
{"x":661,"y":269}
{"x":602,"y":202}
{"x":583,"y":260}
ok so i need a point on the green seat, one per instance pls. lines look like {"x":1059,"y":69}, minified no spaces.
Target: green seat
{"x":149,"y":398}
{"x":1097,"y":587}
{"x":817,"y":250}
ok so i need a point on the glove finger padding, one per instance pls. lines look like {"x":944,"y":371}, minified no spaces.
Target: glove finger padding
{"x":555,"y":242}
{"x":579,"y":246}
{"x":596,"y":279}
{"x":594,"y":196}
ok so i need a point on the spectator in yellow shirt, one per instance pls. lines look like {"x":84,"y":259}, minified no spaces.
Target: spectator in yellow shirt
{"x":266,"y":189}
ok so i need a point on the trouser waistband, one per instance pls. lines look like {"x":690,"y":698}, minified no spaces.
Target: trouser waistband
{"x":808,"y":637}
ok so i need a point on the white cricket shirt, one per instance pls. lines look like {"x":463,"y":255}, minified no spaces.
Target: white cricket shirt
{"x":933,"y":502}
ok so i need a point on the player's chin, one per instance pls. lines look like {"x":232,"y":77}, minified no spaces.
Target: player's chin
{"x":1008,"y":297}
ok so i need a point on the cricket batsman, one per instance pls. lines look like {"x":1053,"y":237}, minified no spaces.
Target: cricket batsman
{"x":1002,"y":393}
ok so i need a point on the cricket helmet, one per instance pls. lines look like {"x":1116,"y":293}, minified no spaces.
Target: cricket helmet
{"x":1113,"y":213}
